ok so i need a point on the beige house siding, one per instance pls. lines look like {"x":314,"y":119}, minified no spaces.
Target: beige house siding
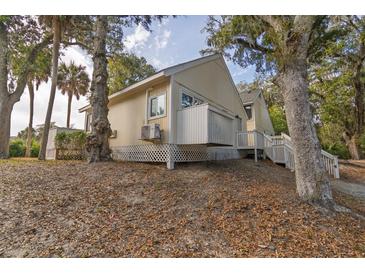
{"x":262,"y":118}
{"x":162,"y":88}
{"x":251,"y":124}
{"x":210,"y":82}
{"x":128,"y":114}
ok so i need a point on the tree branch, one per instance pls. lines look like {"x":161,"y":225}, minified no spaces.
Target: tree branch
{"x":352,"y":24}
{"x":252,"y":45}
{"x":303,"y":23}
{"x":275,"y":23}
{"x":80,"y":44}
{"x":23,"y":77}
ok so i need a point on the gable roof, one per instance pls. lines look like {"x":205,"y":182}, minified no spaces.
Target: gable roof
{"x":249,"y":97}
{"x":166,"y":72}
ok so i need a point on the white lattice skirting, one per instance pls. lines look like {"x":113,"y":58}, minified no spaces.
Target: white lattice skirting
{"x":161,"y":153}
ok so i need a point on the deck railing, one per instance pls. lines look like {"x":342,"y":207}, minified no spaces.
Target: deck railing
{"x":250,"y":140}
{"x":279,"y":150}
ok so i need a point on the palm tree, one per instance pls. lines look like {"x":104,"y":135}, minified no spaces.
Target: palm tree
{"x":40,"y":73}
{"x":65,"y":29}
{"x":54,"y":23}
{"x":72,"y":80}
{"x":58,"y":25}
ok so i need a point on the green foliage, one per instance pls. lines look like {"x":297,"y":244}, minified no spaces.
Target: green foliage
{"x":362,"y":143}
{"x":34,"y":151}
{"x":330,"y":136}
{"x":278,"y":119}
{"x":338,"y":149}
{"x":40,"y":70}
{"x":127,"y":69}
{"x":333,"y":78}
{"x":259,"y":40}
{"x":24,"y":133}
{"x":73,"y":80}
{"x":17,"y":148}
{"x":36,"y":133}
{"x":70,"y":140}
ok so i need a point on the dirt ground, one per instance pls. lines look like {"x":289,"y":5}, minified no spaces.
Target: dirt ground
{"x":223,"y":209}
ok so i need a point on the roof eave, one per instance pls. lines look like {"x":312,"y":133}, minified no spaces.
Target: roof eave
{"x":129,"y":88}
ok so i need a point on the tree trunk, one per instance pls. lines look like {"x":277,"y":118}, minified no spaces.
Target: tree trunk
{"x":311,"y":178}
{"x":8,"y":99}
{"x":97,"y":143}
{"x":55,"y":55}
{"x":30,"y":124}
{"x":6,"y":108}
{"x":352,"y":143}
{"x":69,"y":109}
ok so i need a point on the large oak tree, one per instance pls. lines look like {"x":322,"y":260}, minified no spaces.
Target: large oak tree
{"x":18,"y":34}
{"x":282,"y":45}
{"x":338,"y":81}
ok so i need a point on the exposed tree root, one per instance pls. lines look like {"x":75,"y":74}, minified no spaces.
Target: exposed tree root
{"x":330,"y":207}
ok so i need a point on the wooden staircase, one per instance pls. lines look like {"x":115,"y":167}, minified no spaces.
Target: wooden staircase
{"x":279,"y":150}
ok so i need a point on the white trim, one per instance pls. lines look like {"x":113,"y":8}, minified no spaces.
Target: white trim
{"x":192,"y":94}
{"x":165,"y":72}
{"x":232,"y":82}
{"x":171,"y":110}
{"x":190,"y":64}
{"x":206,"y":100}
{"x":146,"y":104}
{"x":149,"y":107}
{"x":129,"y":88}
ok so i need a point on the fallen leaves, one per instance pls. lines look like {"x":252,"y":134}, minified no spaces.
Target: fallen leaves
{"x":219,"y":209}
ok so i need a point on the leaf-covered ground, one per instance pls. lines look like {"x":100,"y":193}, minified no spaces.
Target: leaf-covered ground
{"x":222,"y":209}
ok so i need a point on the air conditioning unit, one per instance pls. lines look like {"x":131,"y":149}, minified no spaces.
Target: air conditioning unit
{"x":150,"y":132}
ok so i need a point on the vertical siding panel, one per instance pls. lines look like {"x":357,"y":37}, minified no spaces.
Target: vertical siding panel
{"x":201,"y":125}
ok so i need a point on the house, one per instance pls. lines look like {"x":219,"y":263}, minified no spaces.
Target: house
{"x":193,"y":112}
{"x":187,"y":112}
{"x":257,"y":112}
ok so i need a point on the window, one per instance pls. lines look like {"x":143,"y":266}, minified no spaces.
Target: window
{"x":157,"y":106}
{"x":188,"y":100}
{"x":197,"y":101}
{"x":248,"y":110}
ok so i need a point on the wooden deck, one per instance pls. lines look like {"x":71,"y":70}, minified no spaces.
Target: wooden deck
{"x":279,"y":150}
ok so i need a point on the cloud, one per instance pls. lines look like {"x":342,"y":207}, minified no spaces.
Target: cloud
{"x":137,"y":40}
{"x":162,"y":40}
{"x":163,"y":22}
{"x":79,"y":56}
{"x":161,"y":63}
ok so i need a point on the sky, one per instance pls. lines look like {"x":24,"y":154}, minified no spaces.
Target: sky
{"x":172,"y":41}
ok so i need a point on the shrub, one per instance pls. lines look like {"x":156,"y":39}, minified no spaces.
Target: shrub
{"x":34,"y":151}
{"x":17,"y":148}
{"x":338,"y":149}
{"x":70,"y":140}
